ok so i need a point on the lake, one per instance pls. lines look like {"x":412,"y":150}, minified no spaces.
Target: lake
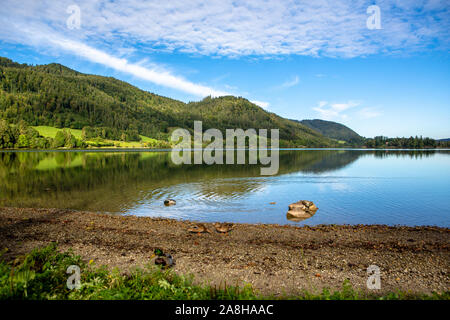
{"x":395,"y":187}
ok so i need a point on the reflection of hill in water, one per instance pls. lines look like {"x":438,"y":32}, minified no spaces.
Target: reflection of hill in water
{"x":330,"y":161}
{"x":117,"y":181}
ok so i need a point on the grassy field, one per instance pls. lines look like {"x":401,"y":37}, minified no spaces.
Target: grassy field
{"x":42,"y":275}
{"x":50,"y":132}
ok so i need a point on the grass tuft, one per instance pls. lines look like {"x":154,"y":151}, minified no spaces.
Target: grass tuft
{"x":41,"y":275}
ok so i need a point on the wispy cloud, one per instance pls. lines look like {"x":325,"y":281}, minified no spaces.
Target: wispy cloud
{"x":345,"y":110}
{"x":143,"y":69}
{"x":330,"y":28}
{"x":369,"y":113}
{"x":290,"y":83}
{"x":262,"y":104}
{"x":155,"y":74}
{"x":335,"y":111}
{"x":236,"y":28}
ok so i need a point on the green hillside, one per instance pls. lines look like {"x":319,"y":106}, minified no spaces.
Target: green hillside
{"x":237,"y":112}
{"x":56,"y":96}
{"x":334,"y":130}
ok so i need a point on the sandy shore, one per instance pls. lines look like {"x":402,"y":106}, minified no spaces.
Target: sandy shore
{"x":274,"y":259}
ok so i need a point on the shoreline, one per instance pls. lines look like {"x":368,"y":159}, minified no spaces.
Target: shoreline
{"x":275,"y":259}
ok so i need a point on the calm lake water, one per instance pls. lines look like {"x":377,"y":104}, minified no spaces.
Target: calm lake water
{"x":348,"y":186}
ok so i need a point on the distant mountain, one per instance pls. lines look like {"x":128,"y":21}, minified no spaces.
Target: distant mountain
{"x":57,"y":96}
{"x":334,"y":130}
{"x":444,"y":140}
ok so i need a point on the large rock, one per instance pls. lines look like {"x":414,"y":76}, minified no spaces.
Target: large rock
{"x":301,"y":210}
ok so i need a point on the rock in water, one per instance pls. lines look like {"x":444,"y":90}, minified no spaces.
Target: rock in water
{"x":170,"y":202}
{"x":301,"y":210}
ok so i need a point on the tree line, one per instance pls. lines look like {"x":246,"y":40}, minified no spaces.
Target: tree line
{"x":407,"y":143}
{"x":110,"y":134}
{"x":22,"y":136}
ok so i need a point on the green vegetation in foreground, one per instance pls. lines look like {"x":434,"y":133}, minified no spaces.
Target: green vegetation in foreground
{"x":42,"y":275}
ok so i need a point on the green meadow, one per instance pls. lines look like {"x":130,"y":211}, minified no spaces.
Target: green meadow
{"x":50,"y":132}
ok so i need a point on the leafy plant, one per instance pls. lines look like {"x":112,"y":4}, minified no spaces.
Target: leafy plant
{"x":42,"y":275}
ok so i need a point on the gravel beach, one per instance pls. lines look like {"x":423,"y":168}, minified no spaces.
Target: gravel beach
{"x":275,"y":259}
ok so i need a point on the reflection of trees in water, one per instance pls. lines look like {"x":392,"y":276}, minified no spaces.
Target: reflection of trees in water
{"x":342,"y":158}
{"x":415,"y":154}
{"x":108,"y":181}
{"x":331,"y":161}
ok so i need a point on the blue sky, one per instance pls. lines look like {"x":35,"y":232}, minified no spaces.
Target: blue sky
{"x":299,"y":59}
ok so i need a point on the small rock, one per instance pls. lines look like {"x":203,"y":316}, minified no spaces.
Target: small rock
{"x":169,"y":202}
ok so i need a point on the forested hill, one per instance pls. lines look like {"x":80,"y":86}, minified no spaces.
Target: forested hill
{"x":57,"y":96}
{"x":334,"y":130}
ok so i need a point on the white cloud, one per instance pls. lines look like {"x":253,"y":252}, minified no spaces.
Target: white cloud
{"x":37,"y":26}
{"x":155,"y":75}
{"x":322,"y":104}
{"x":345,"y":110}
{"x":339,"y":107}
{"x":273,"y":28}
{"x":237,"y":28}
{"x":262,"y":104}
{"x":291,"y":83}
{"x":334,"y":111}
